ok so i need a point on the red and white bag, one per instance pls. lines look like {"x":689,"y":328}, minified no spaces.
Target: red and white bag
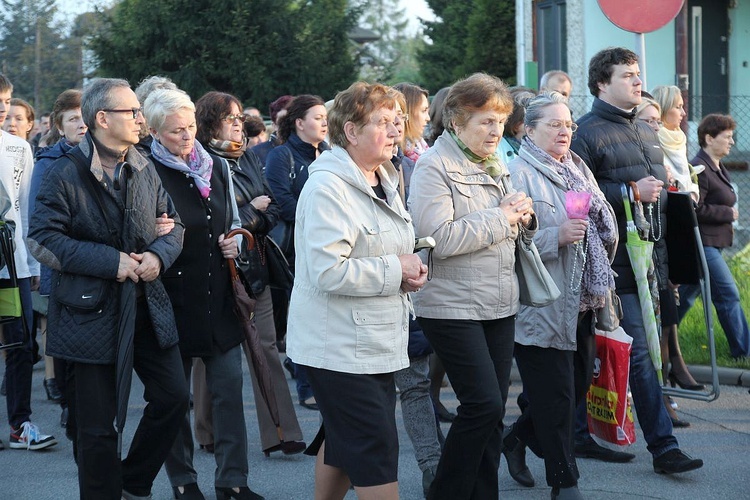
{"x":610,"y":416}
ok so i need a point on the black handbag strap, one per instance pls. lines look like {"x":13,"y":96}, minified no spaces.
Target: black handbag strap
{"x":76,"y":156}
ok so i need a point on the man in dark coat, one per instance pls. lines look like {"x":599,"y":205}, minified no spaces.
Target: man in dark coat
{"x":68,"y":232}
{"x":619,"y":150}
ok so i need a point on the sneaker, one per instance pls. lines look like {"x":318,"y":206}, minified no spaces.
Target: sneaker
{"x":675,"y":461}
{"x":28,"y":437}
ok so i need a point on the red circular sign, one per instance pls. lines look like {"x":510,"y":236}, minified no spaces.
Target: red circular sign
{"x":640,"y":16}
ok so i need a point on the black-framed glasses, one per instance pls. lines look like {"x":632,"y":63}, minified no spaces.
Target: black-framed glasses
{"x":232,"y":118}
{"x":133,"y":111}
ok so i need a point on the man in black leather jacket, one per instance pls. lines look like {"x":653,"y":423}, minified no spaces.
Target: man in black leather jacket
{"x":624,"y":156}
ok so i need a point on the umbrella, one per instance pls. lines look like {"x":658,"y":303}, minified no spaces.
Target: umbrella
{"x":126,"y":319}
{"x":244,"y":308}
{"x":640,"y":253}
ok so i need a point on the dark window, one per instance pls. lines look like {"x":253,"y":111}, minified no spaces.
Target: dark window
{"x":551,"y":35}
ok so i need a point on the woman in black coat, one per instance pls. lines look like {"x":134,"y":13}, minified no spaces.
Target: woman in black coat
{"x":219,"y":118}
{"x":199,"y":286}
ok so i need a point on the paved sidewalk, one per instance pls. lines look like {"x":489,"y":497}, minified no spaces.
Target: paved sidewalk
{"x":719,"y":434}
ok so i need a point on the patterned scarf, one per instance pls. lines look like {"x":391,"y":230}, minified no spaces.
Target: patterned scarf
{"x":199,"y":164}
{"x":597,"y":277}
{"x":228,"y":149}
{"x":414,"y":150}
{"x":490,"y":164}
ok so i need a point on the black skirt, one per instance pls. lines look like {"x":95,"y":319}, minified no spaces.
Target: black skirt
{"x":359,"y":424}
{"x":668,"y":306}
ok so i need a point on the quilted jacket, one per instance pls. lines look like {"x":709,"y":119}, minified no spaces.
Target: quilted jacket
{"x":66,"y":234}
{"x":619,"y":149}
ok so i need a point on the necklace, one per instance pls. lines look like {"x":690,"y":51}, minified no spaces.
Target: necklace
{"x":580,"y":250}
{"x":658,"y":219}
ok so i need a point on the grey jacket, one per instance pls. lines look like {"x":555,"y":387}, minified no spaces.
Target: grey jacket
{"x":67,"y":232}
{"x":552,"y":326}
{"x":473,"y":265}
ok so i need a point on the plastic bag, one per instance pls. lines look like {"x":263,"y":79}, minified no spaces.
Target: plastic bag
{"x":610,"y":416}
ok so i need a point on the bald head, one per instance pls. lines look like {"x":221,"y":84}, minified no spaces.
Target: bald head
{"x":558,"y":81}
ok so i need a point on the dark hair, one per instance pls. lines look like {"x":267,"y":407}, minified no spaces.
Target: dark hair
{"x":67,"y":100}
{"x":521,"y":96}
{"x":254,"y":126}
{"x":277,"y":105}
{"x":436,"y":115}
{"x":297,"y":109}
{"x":713,"y":125}
{"x":209,"y":111}
{"x":600,"y":66}
{"x":5,"y":85}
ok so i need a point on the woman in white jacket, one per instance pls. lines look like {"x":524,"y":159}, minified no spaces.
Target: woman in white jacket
{"x":348,"y":316}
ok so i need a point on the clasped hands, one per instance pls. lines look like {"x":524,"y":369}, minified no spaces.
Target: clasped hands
{"x":517,"y":207}
{"x":413,"y":272}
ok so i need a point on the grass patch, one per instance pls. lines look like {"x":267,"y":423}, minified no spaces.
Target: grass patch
{"x":693,"y":335}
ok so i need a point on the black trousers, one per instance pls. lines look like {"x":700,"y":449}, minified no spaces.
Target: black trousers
{"x":477,"y":356}
{"x":101,"y":476}
{"x":554,"y":382}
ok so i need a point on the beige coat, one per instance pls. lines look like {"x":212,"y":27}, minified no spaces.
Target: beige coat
{"x":457,"y":203}
{"x":347,"y":312}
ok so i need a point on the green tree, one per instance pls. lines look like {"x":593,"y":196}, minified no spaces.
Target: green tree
{"x":386,"y":19}
{"x":35,"y":54}
{"x":256,"y":49}
{"x":468,"y":36}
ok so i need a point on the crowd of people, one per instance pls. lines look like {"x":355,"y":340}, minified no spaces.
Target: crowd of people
{"x":123,"y":211}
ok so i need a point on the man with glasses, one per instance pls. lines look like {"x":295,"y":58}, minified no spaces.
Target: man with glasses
{"x":624,"y":155}
{"x":77,"y":229}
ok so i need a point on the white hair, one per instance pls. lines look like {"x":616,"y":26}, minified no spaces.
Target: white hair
{"x":164,"y":102}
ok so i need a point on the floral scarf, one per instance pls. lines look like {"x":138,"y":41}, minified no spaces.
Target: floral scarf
{"x":414,"y":150}
{"x":597,"y":277}
{"x":199,"y":164}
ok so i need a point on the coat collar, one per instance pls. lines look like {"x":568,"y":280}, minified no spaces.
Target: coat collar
{"x":612,"y":113}
{"x":132,"y":156}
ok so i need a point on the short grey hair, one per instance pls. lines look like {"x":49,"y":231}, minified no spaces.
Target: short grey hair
{"x":164,"y":102}
{"x":536,"y":105}
{"x":555,"y":74}
{"x":98,"y":96}
{"x":152,"y":83}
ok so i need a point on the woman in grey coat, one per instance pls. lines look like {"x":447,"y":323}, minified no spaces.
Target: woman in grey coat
{"x":555,"y":345}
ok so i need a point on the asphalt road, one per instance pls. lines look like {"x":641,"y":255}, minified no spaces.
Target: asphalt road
{"x":720,"y":435}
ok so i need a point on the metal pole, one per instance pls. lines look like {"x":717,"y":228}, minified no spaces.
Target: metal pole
{"x":640,"y":50}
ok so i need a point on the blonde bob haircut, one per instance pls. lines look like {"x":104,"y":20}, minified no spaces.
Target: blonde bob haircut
{"x":161,"y":103}
{"x":356,"y":104}
{"x":478,"y":92}
{"x":666,"y":96}
{"x":646,"y":102}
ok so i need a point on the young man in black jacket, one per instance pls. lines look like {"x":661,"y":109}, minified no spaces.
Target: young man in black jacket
{"x":625,"y":157}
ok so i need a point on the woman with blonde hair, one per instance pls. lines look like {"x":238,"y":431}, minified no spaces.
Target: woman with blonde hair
{"x":418,"y":113}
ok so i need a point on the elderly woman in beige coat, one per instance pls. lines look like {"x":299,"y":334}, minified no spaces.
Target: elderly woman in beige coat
{"x":348,"y":316}
{"x":555,"y":346}
{"x":462,"y":197}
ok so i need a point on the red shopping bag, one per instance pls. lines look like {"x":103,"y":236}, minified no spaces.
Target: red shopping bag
{"x":609,"y":414}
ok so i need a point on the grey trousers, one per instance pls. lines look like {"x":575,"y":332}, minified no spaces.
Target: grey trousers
{"x":269,"y":436}
{"x":419,"y":417}
{"x":224,"y":382}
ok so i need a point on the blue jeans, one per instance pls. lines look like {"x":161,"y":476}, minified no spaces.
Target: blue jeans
{"x":726,"y":300}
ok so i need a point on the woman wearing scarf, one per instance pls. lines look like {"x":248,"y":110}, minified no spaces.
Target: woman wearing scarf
{"x":219,"y":117}
{"x":460,"y":195}
{"x":555,"y":344}
{"x":199,"y":286}
{"x":673,"y":140}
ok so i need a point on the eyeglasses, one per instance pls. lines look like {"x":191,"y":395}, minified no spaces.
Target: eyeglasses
{"x":133,"y":111}
{"x":232,"y":118}
{"x":559,"y":124}
{"x":651,"y":121}
{"x":401,"y":119}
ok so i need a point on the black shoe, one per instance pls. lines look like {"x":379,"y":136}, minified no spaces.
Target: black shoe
{"x":309,"y":403}
{"x":674,"y":461}
{"x":443,"y":414}
{"x":690,"y":386}
{"x":428,"y":476}
{"x":64,"y":418}
{"x":515,"y":454}
{"x":245,"y":493}
{"x":289,"y":367}
{"x":189,"y":491}
{"x":53,"y":393}
{"x":590,"y":449}
{"x":287,"y":448}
